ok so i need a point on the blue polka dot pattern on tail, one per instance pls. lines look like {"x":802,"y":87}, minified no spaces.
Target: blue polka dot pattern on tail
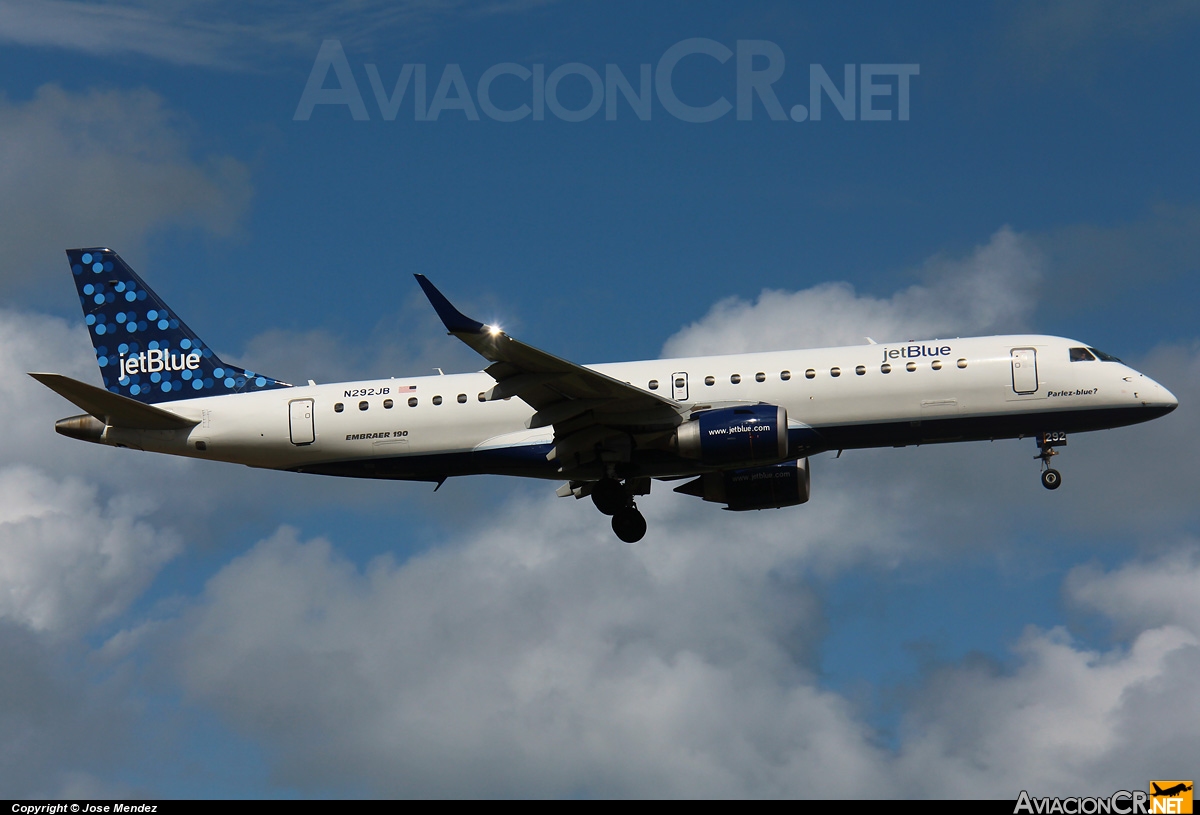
{"x":155,"y":354}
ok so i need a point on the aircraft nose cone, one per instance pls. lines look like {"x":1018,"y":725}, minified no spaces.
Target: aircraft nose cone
{"x":1161,"y":400}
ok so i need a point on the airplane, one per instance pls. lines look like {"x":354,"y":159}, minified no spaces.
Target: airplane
{"x":1170,"y":792}
{"x":737,"y":429}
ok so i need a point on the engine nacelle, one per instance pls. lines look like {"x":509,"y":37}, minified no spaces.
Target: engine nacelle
{"x":755,"y":434}
{"x":778,"y":485}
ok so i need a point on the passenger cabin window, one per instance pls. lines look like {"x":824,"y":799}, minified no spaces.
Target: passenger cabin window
{"x":412,"y":402}
{"x":339,"y":407}
{"x":810,"y":374}
{"x":835,"y":371}
{"x":363,"y":405}
{"x":736,"y":378}
{"x":653,"y":384}
{"x":860,"y":370}
{"x":785,"y":375}
{"x":437,"y":400}
{"x":962,"y":363}
{"x":885,"y":368}
{"x":387,"y":404}
{"x":462,"y":398}
{"x":710,"y":380}
{"x":936,"y":365}
{"x":910,"y":367}
{"x":760,"y":377}
{"x":680,"y":382}
{"x":482,"y":397}
{"x":1081,"y":355}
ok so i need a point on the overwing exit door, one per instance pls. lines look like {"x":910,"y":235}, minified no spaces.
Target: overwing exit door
{"x":679,"y":386}
{"x":1024,"y":370}
{"x":301,"y":417}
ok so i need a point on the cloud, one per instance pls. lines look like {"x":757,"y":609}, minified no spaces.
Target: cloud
{"x":75,"y":554}
{"x":53,"y":723}
{"x":85,"y":531}
{"x":409,"y":343}
{"x":1064,"y":722}
{"x":1142,"y":595}
{"x":1069,"y":719}
{"x":120,"y":28}
{"x":1077,"y":37}
{"x":543,"y":661}
{"x":992,"y":290}
{"x":103,"y":168}
{"x":1096,"y":263}
{"x":218,"y":33}
{"x":534,"y":656}
{"x":69,"y":562}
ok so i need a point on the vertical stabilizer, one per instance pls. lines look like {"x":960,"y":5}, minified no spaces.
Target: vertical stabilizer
{"x":145,"y":351}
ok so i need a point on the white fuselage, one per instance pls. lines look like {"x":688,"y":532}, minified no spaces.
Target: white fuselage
{"x":941,"y":390}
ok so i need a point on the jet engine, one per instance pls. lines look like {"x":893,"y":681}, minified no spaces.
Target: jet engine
{"x":755,"y":434}
{"x":779,"y":485}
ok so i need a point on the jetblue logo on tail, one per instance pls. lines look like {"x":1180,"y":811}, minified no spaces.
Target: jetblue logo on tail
{"x":155,"y":361}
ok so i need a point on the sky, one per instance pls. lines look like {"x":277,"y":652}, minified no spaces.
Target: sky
{"x":933,"y":623}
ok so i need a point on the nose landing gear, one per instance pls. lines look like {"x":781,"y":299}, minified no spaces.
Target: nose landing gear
{"x":1051,"y":478}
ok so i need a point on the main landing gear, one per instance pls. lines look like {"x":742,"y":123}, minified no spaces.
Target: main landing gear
{"x":612,"y":498}
{"x":1051,"y":478}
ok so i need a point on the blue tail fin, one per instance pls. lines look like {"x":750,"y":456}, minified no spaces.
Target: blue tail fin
{"x":144,"y":350}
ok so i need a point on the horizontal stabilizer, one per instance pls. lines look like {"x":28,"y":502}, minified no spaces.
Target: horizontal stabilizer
{"x":112,"y":408}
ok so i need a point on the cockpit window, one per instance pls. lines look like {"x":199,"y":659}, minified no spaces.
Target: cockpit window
{"x":1081,"y":355}
{"x":1103,"y":356}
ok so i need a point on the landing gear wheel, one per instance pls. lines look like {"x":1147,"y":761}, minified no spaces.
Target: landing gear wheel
{"x":1051,"y":479}
{"x":609,"y":496}
{"x":629,"y":524}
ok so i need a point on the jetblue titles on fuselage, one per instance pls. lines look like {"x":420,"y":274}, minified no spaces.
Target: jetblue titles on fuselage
{"x":914,"y":351}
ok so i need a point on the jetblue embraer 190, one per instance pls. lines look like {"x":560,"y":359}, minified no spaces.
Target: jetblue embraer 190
{"x":738,"y":429}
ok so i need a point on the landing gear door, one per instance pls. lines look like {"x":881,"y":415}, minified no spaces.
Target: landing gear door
{"x":1024,"y":370}
{"x":301,"y":417}
{"x":679,"y":386}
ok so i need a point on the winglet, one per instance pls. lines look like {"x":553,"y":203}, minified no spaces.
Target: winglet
{"x":455,"y":321}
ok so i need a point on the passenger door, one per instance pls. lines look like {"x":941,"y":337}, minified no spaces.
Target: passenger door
{"x":1024,"y":370}
{"x":301,"y":420}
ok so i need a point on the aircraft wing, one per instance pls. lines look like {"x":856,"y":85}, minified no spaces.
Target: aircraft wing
{"x":587,"y":408}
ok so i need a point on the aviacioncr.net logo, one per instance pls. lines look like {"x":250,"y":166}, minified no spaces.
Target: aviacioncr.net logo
{"x":1121,"y":802}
